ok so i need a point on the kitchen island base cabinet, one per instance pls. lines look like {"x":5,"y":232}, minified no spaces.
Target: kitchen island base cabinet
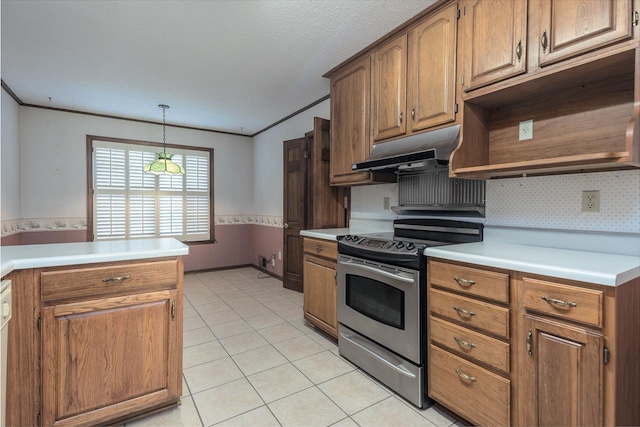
{"x":320,"y":285}
{"x":96,"y":367}
{"x":95,"y":344}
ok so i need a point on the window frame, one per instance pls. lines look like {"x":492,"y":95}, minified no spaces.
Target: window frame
{"x":89,"y":194}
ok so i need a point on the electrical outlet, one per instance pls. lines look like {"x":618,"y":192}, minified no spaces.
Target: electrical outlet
{"x":525,"y":130}
{"x":386,"y":203}
{"x":591,"y":201}
{"x":279,"y":255}
{"x":273,"y":262}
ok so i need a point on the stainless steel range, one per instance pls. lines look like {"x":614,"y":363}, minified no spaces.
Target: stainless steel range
{"x":382,"y":300}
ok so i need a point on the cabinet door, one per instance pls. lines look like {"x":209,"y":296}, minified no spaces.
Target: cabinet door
{"x":572,"y":27}
{"x":350,"y":132}
{"x":108,"y":358}
{"x":496,"y":37}
{"x":389,"y":87}
{"x":563,"y":374}
{"x":432,"y":73}
{"x":320,"y":293}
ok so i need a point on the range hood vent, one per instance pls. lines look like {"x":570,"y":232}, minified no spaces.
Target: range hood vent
{"x":434,"y":146}
{"x":433,"y":193}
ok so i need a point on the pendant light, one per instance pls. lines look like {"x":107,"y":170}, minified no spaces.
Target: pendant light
{"x":163,"y":164}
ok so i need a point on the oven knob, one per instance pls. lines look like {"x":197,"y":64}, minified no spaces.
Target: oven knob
{"x":411,"y":246}
{"x":399,"y":245}
{"x":347,"y":237}
{"x":354,"y":238}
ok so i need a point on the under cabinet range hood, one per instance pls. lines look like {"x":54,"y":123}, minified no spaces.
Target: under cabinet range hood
{"x":413,"y":151}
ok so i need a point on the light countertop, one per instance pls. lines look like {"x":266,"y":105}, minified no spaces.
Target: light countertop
{"x":593,"y":267}
{"x":330,"y":233}
{"x":59,"y":254}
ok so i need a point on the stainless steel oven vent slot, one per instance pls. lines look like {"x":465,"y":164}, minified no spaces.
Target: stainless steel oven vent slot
{"x":433,"y":192}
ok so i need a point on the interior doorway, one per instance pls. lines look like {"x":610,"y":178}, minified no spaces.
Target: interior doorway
{"x":309,"y":201}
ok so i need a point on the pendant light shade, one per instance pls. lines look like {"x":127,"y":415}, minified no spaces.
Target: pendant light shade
{"x":163,"y":164}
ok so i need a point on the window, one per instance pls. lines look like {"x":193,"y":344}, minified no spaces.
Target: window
{"x":126,"y":203}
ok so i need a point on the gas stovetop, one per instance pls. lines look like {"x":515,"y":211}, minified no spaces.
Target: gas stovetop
{"x":409,"y":239}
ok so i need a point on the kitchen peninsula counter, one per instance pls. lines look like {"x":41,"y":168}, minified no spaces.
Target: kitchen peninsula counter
{"x":77,"y":305}
{"x":61,"y":254}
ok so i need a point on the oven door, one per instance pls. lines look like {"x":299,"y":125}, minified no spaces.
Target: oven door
{"x":382,"y":303}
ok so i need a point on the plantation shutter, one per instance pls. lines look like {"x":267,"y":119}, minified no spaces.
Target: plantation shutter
{"x":130,"y":204}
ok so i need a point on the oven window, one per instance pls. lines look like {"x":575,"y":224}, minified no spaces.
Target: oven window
{"x":376,"y":300}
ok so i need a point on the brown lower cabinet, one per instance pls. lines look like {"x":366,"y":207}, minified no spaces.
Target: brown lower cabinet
{"x":95,"y":344}
{"x":567,"y":354}
{"x":320,"y":262}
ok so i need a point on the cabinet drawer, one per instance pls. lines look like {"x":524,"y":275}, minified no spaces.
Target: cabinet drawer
{"x":564,"y":301}
{"x":473,"y":344}
{"x":476,"y":314}
{"x":323,"y":248}
{"x":120,"y":278}
{"x":477,"y":394}
{"x":471,"y":281}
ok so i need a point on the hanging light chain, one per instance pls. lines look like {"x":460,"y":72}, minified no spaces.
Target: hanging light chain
{"x":164,"y":128}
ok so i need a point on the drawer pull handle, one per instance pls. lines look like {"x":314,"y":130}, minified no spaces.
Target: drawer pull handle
{"x":466,"y":377}
{"x":116,"y":279}
{"x":465,"y":314}
{"x":464,"y":344}
{"x":465,"y":283}
{"x":559,"y":303}
{"x":318,"y":249}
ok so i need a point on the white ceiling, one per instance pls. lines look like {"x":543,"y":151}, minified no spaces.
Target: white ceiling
{"x":229,"y":65}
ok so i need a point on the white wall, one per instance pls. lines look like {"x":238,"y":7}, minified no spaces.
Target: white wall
{"x":53,"y":148}
{"x":10,"y":154}
{"x":268,"y":155}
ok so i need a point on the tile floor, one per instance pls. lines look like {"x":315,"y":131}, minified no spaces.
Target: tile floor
{"x":250,"y":359}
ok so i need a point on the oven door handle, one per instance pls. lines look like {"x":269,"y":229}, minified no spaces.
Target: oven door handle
{"x":363,"y":346}
{"x":395,"y":276}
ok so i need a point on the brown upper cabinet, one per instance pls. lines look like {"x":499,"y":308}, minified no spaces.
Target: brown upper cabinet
{"x":350,"y":125}
{"x":571,"y":27}
{"x":572,"y":67}
{"x":413,"y":78}
{"x":432,"y":70}
{"x":578,"y":83}
{"x":389,"y":92}
{"x":350,"y":102}
{"x":496,"y":41}
{"x":498,"y":32}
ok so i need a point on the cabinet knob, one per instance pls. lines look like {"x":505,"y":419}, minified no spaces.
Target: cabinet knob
{"x":400,"y":117}
{"x":286,"y":225}
{"x":318,"y":249}
{"x":413,"y":114}
{"x":519,"y":50}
